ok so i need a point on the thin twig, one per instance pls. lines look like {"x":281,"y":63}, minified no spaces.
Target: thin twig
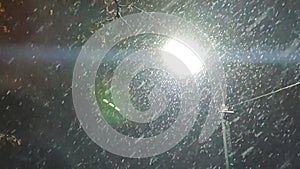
{"x":118,"y":15}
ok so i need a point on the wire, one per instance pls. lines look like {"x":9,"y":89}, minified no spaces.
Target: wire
{"x":267,"y":94}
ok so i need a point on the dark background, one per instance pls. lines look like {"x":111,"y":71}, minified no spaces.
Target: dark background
{"x":258,"y":42}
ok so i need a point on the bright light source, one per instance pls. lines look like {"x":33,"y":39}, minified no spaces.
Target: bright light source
{"x":185,"y":55}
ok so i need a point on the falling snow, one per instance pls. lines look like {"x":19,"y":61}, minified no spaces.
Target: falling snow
{"x":257,"y":42}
